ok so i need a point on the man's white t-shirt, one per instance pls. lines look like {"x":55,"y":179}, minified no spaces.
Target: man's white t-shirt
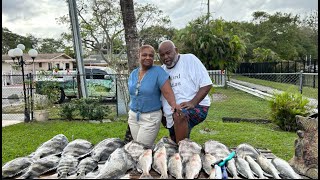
{"x":186,"y":78}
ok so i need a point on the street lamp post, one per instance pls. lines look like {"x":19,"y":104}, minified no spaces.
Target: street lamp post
{"x":18,"y":53}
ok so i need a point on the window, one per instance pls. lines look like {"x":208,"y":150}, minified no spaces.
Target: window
{"x":67,"y":66}
{"x":49,"y":66}
{"x":40,"y":64}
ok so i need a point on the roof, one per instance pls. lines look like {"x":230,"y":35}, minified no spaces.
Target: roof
{"x":42,"y":57}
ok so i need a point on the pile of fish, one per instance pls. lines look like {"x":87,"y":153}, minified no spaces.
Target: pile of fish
{"x":111,"y":158}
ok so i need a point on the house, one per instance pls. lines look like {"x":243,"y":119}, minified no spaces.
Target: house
{"x":42,"y":62}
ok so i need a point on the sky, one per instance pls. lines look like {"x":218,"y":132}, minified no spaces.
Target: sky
{"x":39,"y":17}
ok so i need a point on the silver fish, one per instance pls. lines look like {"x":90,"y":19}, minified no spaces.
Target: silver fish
{"x":144,"y":164}
{"x":246,"y":149}
{"x":135,"y":149}
{"x":53,"y":146}
{"x":77,"y":148}
{"x":207,"y":161}
{"x":267,"y":166}
{"x":118,"y":163}
{"x":218,"y":172}
{"x":67,"y":166}
{"x":193,"y":167}
{"x":175,"y":166}
{"x":16,"y":167}
{"x":244,"y":168}
{"x":187,"y":148}
{"x":220,"y":151}
{"x":255,"y":167}
{"x":85,"y":166}
{"x":41,"y":166}
{"x":284,"y":168}
{"x":103,"y":149}
{"x":159,"y":163}
{"x":171,"y":146}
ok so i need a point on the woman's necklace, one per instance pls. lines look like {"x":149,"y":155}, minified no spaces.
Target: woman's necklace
{"x":140,"y":77}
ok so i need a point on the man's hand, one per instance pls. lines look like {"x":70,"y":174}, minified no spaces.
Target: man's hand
{"x":187,"y":105}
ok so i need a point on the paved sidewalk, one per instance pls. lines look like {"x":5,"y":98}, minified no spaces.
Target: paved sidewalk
{"x":269,"y":90}
{"x":10,"y":122}
{"x":7,"y":119}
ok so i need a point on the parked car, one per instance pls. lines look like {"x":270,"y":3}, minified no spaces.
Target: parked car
{"x":100,"y":82}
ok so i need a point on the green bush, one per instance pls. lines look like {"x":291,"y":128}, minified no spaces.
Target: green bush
{"x":285,"y":106}
{"x":90,"y":108}
{"x":67,"y":111}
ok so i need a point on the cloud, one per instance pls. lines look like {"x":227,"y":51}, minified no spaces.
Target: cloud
{"x":37,"y":17}
{"x":34,"y":17}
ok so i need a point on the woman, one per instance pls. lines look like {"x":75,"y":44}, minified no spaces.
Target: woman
{"x":146,"y":83}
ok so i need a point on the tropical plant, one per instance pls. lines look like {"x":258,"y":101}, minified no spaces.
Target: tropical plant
{"x":285,"y":106}
{"x":215,"y":46}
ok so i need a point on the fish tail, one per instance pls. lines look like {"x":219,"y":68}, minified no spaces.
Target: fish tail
{"x":145,"y":176}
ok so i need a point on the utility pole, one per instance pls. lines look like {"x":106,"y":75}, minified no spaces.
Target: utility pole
{"x":77,"y":47}
{"x":208,"y":14}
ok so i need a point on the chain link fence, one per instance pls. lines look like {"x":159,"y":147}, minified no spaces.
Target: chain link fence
{"x":305,"y":83}
{"x":112,"y":88}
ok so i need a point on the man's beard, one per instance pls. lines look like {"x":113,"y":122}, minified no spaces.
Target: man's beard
{"x":174,"y":62}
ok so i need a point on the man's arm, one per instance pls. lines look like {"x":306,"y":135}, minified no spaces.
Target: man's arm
{"x":169,"y":95}
{"x":201,"y":94}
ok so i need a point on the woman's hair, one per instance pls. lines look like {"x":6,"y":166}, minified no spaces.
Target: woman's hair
{"x":145,"y":47}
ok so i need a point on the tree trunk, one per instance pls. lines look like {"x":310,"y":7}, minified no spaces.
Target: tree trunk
{"x":131,"y":35}
{"x":132,"y":43}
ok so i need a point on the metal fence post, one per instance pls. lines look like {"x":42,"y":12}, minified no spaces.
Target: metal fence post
{"x":225,"y":78}
{"x":301,"y":81}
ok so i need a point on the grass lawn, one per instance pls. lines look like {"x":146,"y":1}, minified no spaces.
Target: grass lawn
{"x":22,"y":139}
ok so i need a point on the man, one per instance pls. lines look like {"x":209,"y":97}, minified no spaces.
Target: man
{"x":191,"y":84}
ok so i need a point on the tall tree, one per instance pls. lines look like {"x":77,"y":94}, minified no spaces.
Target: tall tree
{"x":50,"y":45}
{"x":131,"y":35}
{"x":101,"y":25}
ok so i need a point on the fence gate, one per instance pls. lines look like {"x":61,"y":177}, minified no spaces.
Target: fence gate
{"x":218,"y":77}
{"x":13,"y":104}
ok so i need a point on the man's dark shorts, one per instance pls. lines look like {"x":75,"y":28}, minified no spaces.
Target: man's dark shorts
{"x":196,"y":116}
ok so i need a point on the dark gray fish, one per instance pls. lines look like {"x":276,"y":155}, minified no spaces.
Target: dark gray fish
{"x":67,"y":166}
{"x":85,"y":166}
{"x":41,"y":166}
{"x":119,"y":162}
{"x":103,"y":149}
{"x":77,"y":148}
{"x":16,"y":167}
{"x":53,"y":146}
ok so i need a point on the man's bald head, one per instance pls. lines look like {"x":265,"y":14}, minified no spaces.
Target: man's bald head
{"x":168,"y":53}
{"x":167,"y":43}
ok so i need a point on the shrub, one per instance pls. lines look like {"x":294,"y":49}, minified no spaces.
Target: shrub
{"x":67,"y":110}
{"x":91,"y":109}
{"x":285,"y":106}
